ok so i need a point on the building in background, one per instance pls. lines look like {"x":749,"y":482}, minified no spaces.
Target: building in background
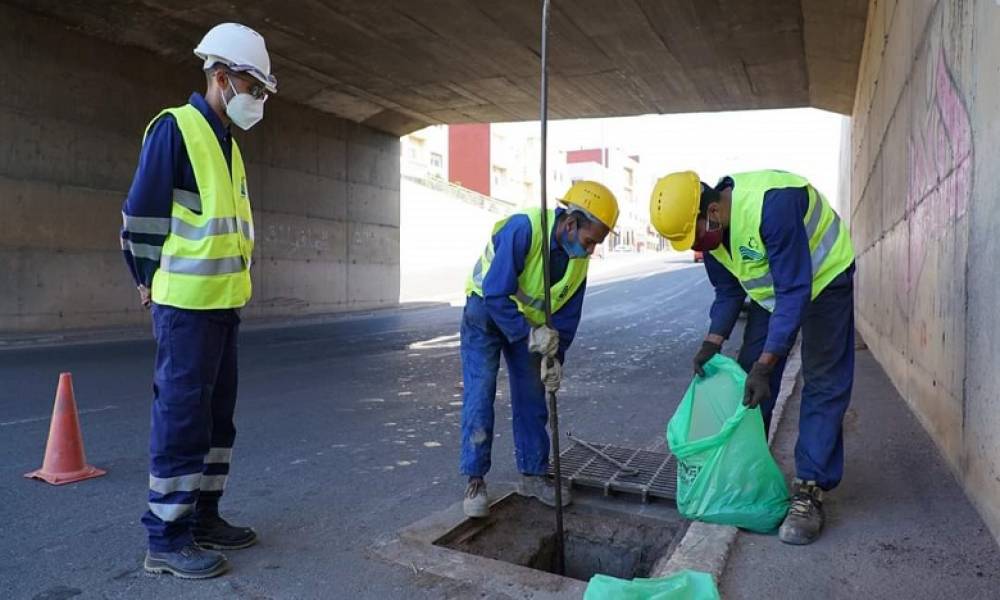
{"x":502,"y":160}
{"x":424,"y":153}
{"x":496,"y":160}
{"x":624,"y":175}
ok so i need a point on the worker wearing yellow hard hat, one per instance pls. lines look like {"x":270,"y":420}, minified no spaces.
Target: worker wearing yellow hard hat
{"x":772,"y":236}
{"x":505,"y":314}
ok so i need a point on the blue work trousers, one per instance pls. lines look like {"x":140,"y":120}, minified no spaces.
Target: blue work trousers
{"x":828,"y":372}
{"x":482,"y":345}
{"x":192,"y":430}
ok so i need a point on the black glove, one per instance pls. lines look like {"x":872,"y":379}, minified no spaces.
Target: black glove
{"x":708,"y":350}
{"x":758,"y":386}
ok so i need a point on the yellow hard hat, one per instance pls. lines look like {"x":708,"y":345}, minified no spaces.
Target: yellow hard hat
{"x":673,"y":208}
{"x":595,"y":199}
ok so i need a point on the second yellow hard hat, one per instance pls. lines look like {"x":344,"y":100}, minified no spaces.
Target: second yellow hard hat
{"x":673,"y":208}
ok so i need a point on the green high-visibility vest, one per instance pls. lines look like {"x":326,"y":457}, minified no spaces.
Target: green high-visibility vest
{"x":206,"y":257}
{"x":829,"y":240}
{"x":530,"y":296}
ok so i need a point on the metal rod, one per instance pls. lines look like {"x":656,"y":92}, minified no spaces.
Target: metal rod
{"x":625,"y":469}
{"x":544,"y":120}
{"x":560,"y":552}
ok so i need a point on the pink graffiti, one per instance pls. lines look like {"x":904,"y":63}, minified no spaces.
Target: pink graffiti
{"x":940,"y":172}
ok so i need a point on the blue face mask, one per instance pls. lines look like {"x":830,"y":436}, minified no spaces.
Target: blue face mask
{"x":573,"y":247}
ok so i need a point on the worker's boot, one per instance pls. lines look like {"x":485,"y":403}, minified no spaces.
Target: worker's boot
{"x":539,"y":486}
{"x":476,"y":503}
{"x":212,"y":531}
{"x":190,"y":562}
{"x":805,"y":515}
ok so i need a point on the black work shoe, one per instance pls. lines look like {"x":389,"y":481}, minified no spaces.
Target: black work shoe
{"x":805,"y":515}
{"x":190,"y":562}
{"x":212,"y":531}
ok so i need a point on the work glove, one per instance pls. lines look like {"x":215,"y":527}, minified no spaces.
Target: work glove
{"x":708,"y":350}
{"x":543,"y":340}
{"x":758,"y":386}
{"x":551,"y":374}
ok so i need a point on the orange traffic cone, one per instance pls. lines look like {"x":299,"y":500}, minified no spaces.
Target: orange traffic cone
{"x":65,"y":461}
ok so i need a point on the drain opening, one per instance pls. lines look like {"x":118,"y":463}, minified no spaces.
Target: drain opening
{"x":520,"y":531}
{"x":586,"y":558}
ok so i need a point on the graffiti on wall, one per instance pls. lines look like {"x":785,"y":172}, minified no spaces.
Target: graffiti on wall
{"x":940,"y":170}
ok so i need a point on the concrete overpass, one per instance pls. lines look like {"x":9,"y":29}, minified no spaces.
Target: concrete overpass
{"x":397,"y":66}
{"x":919,"y":79}
{"x":83,"y":78}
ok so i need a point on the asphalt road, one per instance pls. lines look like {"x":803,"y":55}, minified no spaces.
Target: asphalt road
{"x":348,"y":431}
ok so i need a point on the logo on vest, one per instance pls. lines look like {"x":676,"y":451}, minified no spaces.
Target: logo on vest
{"x":750,"y":252}
{"x":243,"y":187}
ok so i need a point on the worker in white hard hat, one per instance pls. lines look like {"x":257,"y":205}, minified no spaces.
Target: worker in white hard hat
{"x":188,"y":237}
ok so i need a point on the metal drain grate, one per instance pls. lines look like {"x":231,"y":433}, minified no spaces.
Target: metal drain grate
{"x":657,"y":477}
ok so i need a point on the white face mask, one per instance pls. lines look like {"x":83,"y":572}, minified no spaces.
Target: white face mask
{"x":244,"y":110}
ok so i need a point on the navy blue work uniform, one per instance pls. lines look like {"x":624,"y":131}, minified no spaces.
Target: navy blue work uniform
{"x":195,"y":380}
{"x":827,"y":325}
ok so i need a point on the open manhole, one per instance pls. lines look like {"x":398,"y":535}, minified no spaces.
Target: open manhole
{"x":520,"y":531}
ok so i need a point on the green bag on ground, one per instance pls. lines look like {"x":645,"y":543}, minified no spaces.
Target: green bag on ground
{"x":725,"y":472}
{"x":683,"y":585}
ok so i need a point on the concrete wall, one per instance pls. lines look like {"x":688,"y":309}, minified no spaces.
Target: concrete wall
{"x":924,"y":219}
{"x":325,"y":191}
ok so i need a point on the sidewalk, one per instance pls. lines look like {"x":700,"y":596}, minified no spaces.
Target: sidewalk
{"x":899,"y":526}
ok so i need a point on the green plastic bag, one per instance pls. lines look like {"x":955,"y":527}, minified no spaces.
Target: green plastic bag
{"x":683,"y":585}
{"x":725,"y":472}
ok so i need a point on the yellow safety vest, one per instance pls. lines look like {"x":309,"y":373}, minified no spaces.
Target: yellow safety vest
{"x":206,"y":257}
{"x":530,"y":296}
{"x":829,"y":240}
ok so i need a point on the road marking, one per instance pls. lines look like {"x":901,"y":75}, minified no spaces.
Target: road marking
{"x":85,"y":411}
{"x":444,"y":341}
{"x":685,"y":290}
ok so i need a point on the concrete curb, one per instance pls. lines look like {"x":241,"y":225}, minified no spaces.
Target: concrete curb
{"x":705,"y":546}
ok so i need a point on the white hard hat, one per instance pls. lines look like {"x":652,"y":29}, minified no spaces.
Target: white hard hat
{"x":241,"y":49}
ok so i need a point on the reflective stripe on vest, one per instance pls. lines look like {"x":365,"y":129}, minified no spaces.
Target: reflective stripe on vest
{"x":529,"y":297}
{"x":205,"y":261}
{"x":202,"y":266}
{"x":477,"y":271}
{"x":217,"y":226}
{"x":830,"y":245}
